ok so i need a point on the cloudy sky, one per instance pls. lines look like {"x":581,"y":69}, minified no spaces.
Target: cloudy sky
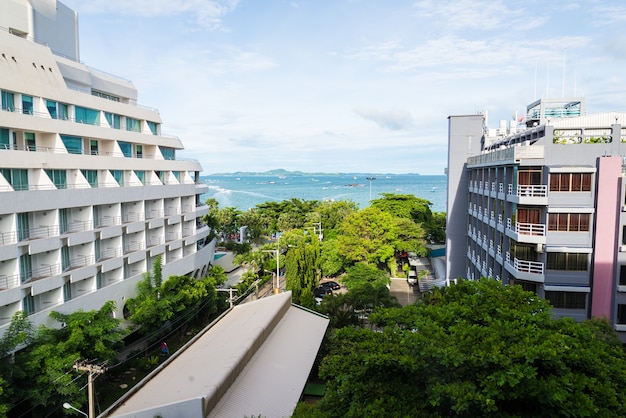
{"x":349,"y":85}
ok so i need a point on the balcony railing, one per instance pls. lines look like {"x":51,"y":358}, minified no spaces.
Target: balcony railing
{"x":133,"y":217}
{"x":534,"y":267}
{"x":152,"y":214}
{"x":529,"y":190}
{"x":82,"y":261}
{"x":7,"y":238}
{"x":132,"y":247}
{"x":9,"y":281}
{"x":43,"y":271}
{"x":43,"y":231}
{"x":108,"y":221}
{"x":110,"y":253}
{"x":530,"y":229}
{"x":79,"y":226}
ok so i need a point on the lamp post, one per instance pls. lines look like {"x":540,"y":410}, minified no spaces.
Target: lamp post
{"x":370,"y":179}
{"x":277,"y":288}
{"x":66,"y":405}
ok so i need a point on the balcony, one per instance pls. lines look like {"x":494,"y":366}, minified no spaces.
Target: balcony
{"x":109,"y":253}
{"x":526,"y":232}
{"x":528,"y":194}
{"x":9,"y":281}
{"x":525,"y":270}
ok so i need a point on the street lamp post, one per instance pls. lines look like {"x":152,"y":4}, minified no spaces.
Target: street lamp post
{"x":371,"y":179}
{"x":277,"y":288}
{"x":66,"y":405}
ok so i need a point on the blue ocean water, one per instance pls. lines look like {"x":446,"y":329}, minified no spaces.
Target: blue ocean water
{"x":244,"y":192}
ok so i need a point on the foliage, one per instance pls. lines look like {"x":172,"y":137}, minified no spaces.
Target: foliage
{"x":405,"y":206}
{"x":477,"y":348}
{"x":288,"y":214}
{"x":436,"y":227}
{"x":331,"y":262}
{"x":302,"y":270}
{"x":238,"y":248}
{"x":367,"y":236}
{"x":155,"y":305}
{"x":42,"y":373}
{"x":409,"y":237}
{"x":362,"y":273}
{"x":257,"y":224}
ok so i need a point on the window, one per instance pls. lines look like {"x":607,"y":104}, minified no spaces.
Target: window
{"x":570,"y":182}
{"x":105,"y":95}
{"x":58,"y":177}
{"x":27,"y":104}
{"x":153,"y":127}
{"x":29,"y":139}
{"x":93,"y":146}
{"x":73,"y":144}
{"x":63,"y":111}
{"x":113,"y":119}
{"x":133,"y":125}
{"x":118,"y":175}
{"x":127,"y":148}
{"x":139,"y":151}
{"x":141,"y":175}
{"x":91,"y":176}
{"x":168,"y":153}
{"x":567,"y":300}
{"x":28,"y":304}
{"x":18,"y":178}
{"x":65,"y":258}
{"x":5,"y":141}
{"x":621,"y":314}
{"x":26,"y":268}
{"x":62,"y":221}
{"x":86,"y":115}
{"x":529,"y":177}
{"x":51,"y":105}
{"x":67,"y":291}
{"x":23,"y":226}
{"x":622,"y":275}
{"x":572,"y":222}
{"x":527,"y":286}
{"x":567,"y":261}
{"x":8,"y":101}
{"x":177,"y":175}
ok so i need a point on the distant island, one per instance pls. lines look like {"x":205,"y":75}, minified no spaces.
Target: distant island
{"x":283,"y":172}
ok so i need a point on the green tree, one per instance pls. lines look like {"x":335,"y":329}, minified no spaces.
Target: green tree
{"x":476,"y":348}
{"x":363,"y":273}
{"x":19,"y":333}
{"x":43,"y":374}
{"x":331,"y":262}
{"x":302,"y":270}
{"x":404,"y":206}
{"x":368,"y":235}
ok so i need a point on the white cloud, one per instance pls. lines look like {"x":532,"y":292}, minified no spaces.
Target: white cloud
{"x":394,"y":120}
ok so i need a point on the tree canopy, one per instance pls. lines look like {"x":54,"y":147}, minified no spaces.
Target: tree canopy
{"x":477,"y":348}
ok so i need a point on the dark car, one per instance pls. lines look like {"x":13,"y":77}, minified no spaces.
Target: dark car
{"x":330,"y":285}
{"x":320,"y":292}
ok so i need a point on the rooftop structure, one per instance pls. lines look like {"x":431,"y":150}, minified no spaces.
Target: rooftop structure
{"x":542,"y":204}
{"x":255,"y":360}
{"x":91,"y":190}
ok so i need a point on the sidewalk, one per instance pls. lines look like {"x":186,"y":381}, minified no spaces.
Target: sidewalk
{"x":233,"y":271}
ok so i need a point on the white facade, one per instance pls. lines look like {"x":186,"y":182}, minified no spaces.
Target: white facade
{"x":91,"y":191}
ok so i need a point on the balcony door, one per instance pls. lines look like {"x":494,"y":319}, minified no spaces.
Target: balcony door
{"x":528,"y":216}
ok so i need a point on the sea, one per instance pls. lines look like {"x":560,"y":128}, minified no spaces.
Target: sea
{"x":246,"y":191}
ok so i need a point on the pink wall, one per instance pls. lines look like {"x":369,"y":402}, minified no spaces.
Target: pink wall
{"x":607,"y":230}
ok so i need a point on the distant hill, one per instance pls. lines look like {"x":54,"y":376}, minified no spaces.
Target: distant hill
{"x":283,"y":172}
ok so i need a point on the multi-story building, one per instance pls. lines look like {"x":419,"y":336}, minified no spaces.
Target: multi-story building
{"x":542,"y":205}
{"x":91,"y":191}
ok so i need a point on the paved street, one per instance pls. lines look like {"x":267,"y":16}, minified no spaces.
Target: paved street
{"x":405,"y":294}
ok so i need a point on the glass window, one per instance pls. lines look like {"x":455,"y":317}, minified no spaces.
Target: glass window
{"x":86,"y":115}
{"x":127,"y":148}
{"x":58,"y":177}
{"x":8,"y":101}
{"x":92,"y":177}
{"x":622,"y":275}
{"x":93,"y":146}
{"x":67,"y":291}
{"x":27,"y":104}
{"x":567,"y":300}
{"x":567,"y":261}
{"x":23,"y":226}
{"x":141,"y":175}
{"x":26,"y":267}
{"x":28,"y":304}
{"x":153,"y":127}
{"x":621,"y":314}
{"x":113,"y":119}
{"x":5,"y":141}
{"x":168,"y":153}
{"x":51,"y":105}
{"x":18,"y":178}
{"x":63,"y":111}
{"x":118,"y":175}
{"x":133,"y":125}
{"x":73,"y":144}
{"x":177,"y":175}
{"x":29,"y":138}
{"x":139,"y":151}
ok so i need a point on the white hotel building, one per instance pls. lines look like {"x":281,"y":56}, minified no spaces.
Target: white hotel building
{"x":91,"y":191}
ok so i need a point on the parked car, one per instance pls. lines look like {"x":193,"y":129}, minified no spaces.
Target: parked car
{"x":321,"y":292}
{"x":330,"y":285}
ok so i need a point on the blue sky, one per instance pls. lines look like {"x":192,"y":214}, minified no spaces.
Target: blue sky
{"x":349,"y":85}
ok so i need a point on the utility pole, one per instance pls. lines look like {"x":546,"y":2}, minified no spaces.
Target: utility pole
{"x":92,"y":369}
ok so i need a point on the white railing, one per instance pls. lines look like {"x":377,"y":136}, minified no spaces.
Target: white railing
{"x":534,"y":267}
{"x":530,"y":229}
{"x":524,"y":190}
